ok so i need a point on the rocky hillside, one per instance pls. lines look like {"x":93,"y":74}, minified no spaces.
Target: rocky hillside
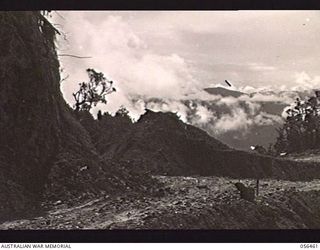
{"x":161,"y":144}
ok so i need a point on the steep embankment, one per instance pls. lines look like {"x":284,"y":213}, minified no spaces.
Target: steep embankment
{"x":43,"y":147}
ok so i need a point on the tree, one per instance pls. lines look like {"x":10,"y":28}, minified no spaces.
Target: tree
{"x":99,"y":115}
{"x":302,"y":126}
{"x":122,"y":112}
{"x":92,"y":92}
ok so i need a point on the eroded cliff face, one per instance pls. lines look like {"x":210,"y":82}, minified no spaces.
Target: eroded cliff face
{"x":28,"y":81}
{"x":42,"y":145}
{"x":30,"y":119}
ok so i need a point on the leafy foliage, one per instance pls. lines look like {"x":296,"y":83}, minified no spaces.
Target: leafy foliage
{"x":123,"y":112}
{"x":92,"y":92}
{"x":302,"y":126}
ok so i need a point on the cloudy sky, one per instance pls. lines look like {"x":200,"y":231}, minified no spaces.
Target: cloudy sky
{"x":174,"y":54}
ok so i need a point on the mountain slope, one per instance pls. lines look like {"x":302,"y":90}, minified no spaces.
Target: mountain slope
{"x":161,"y":144}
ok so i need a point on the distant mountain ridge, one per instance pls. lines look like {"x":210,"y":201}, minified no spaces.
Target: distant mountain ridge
{"x":223,"y":92}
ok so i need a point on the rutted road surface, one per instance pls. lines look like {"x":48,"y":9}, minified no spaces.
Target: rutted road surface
{"x":190,"y":202}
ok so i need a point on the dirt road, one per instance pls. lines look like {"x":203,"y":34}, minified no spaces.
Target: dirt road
{"x":184,"y":198}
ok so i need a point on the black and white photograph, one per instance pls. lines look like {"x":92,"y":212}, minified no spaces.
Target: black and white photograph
{"x":159,"y":120}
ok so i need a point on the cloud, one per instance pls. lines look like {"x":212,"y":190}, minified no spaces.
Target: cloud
{"x":125,"y":46}
{"x":260,"y":67}
{"x":253,"y":107}
{"x":306,"y":82}
{"x":237,"y":120}
{"x":228,"y":101}
{"x":123,"y":56}
{"x":268,"y":97}
{"x":160,"y":76}
{"x":264,"y":118}
{"x":203,"y":115}
{"x":156,"y":55}
{"x":243,"y":113}
{"x":218,"y":115}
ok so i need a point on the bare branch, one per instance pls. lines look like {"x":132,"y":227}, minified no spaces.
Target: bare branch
{"x":64,"y":78}
{"x":80,"y":57}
